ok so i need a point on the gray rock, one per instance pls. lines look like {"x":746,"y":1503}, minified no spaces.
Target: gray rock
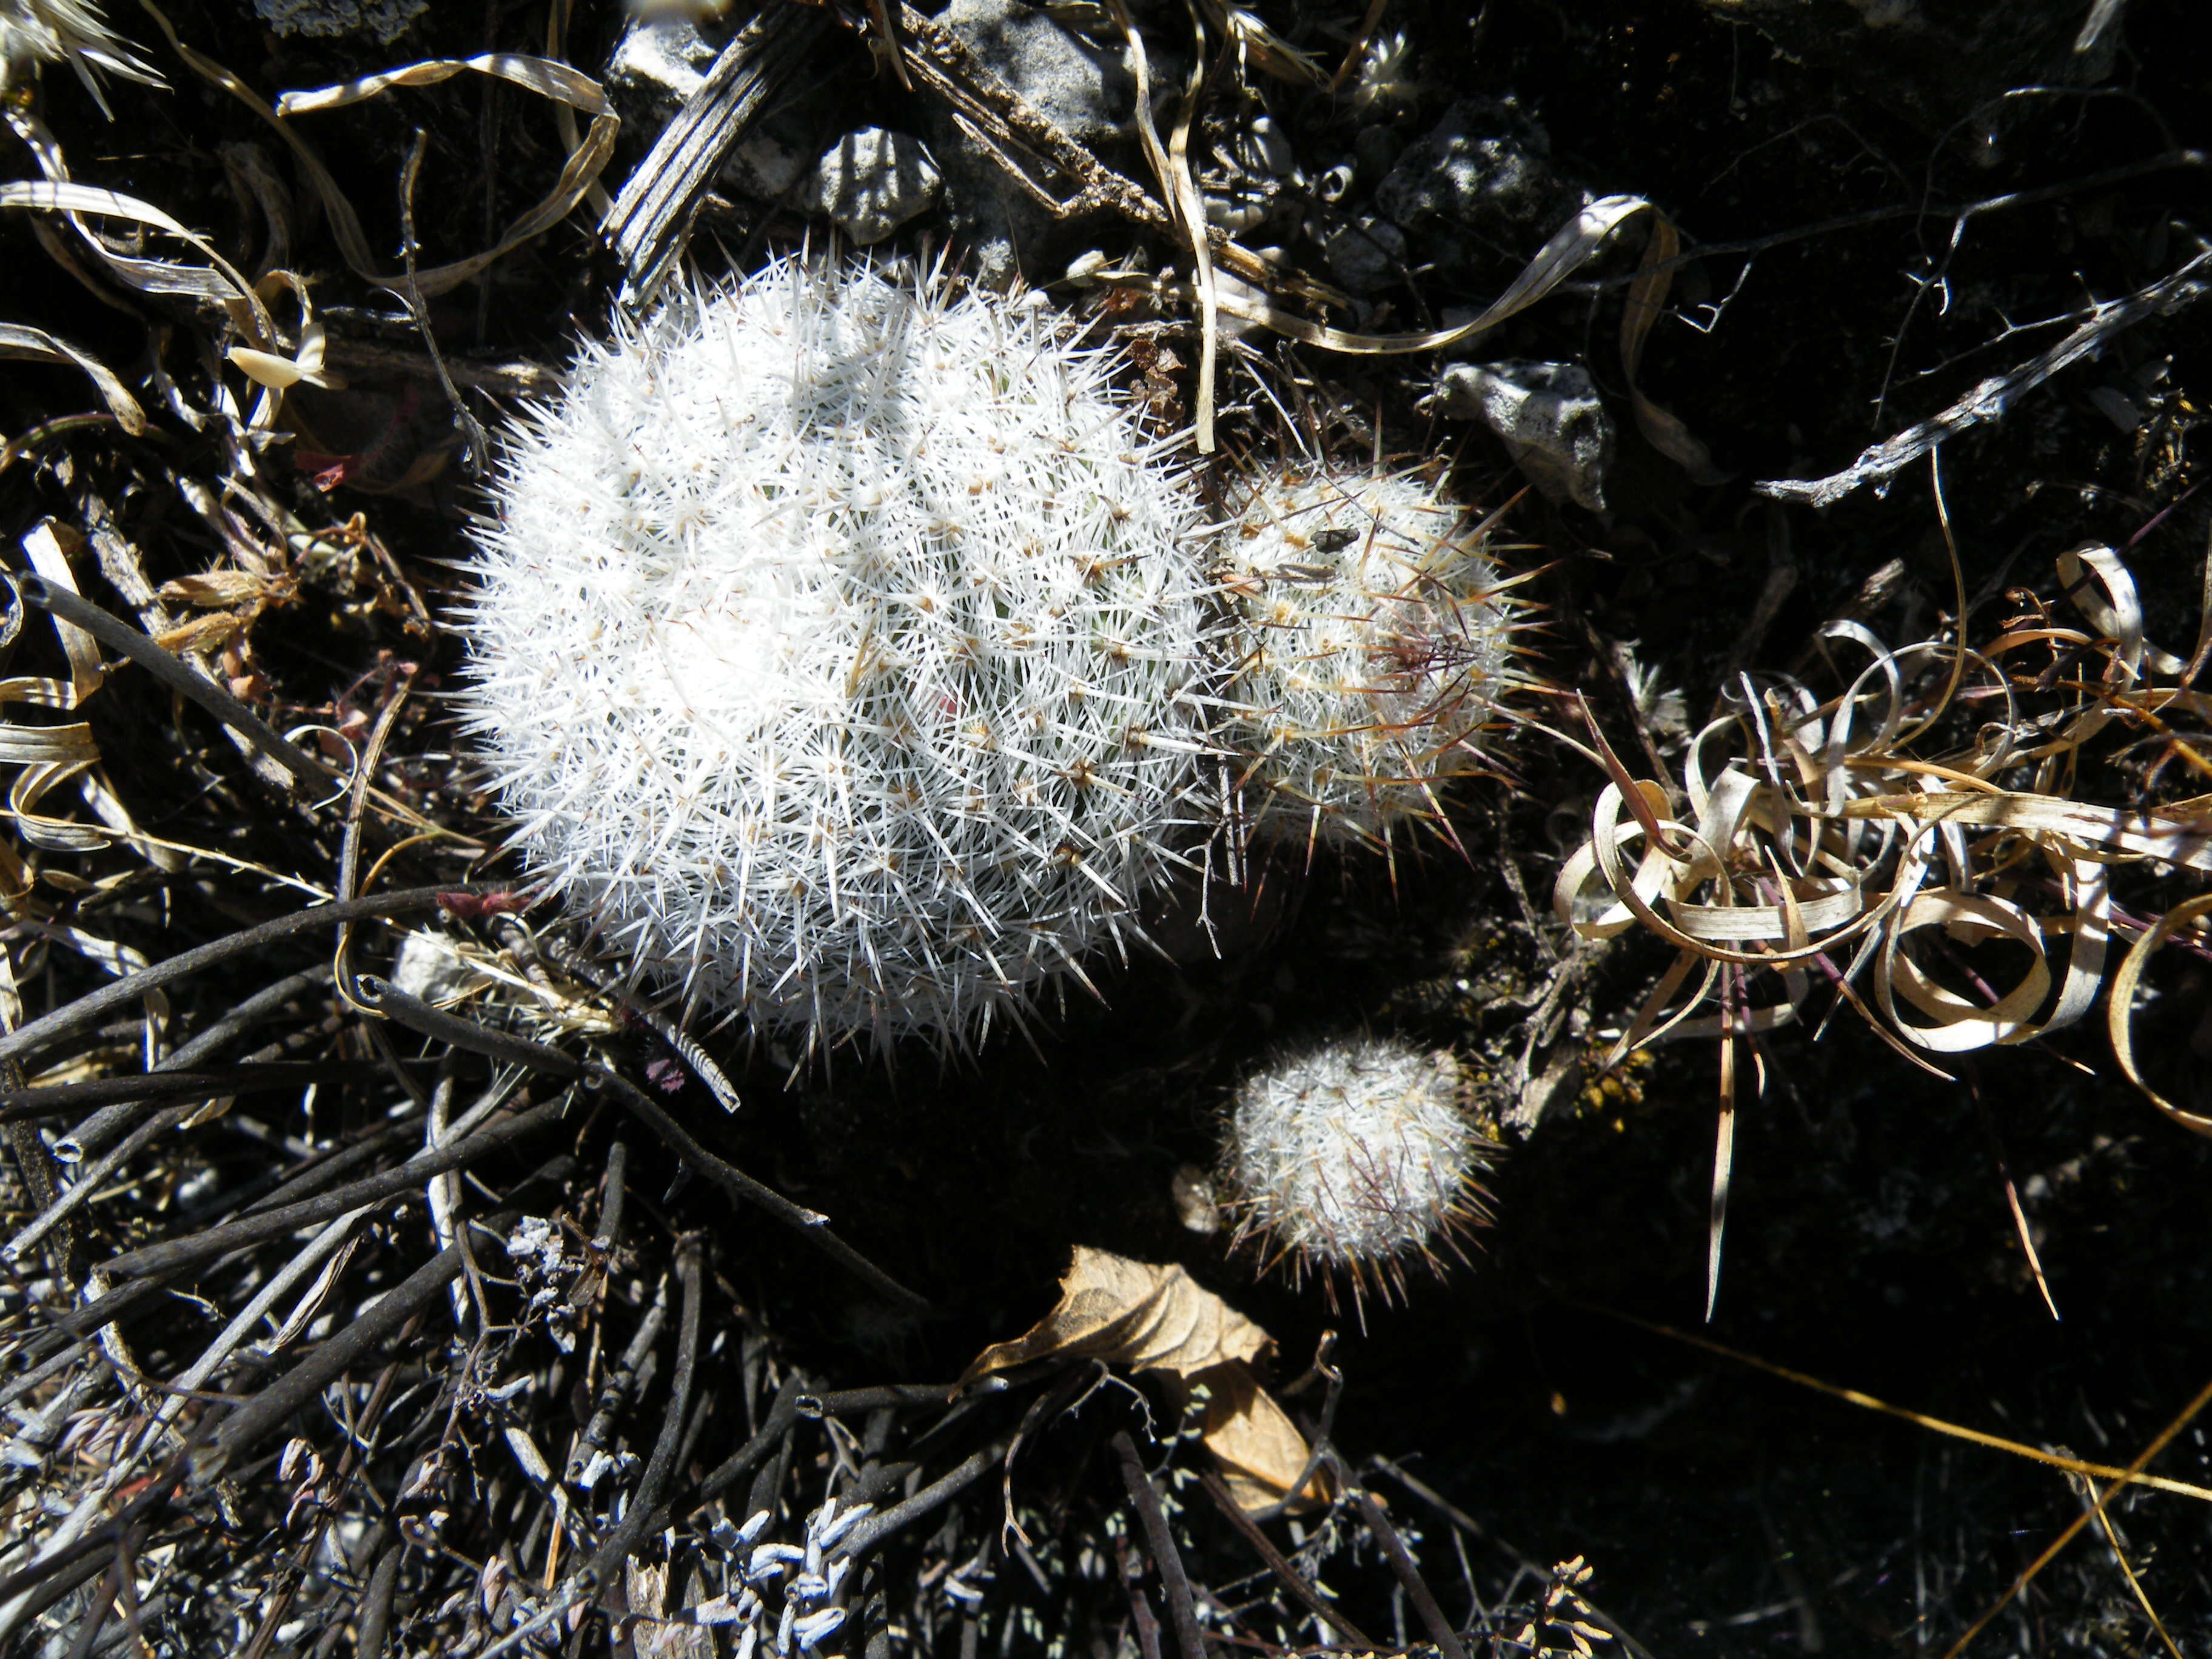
{"x":1548,"y":415}
{"x":1089,"y":91}
{"x":657,"y":64}
{"x":1265,"y":151}
{"x":1240,"y":212}
{"x":1487,"y":167}
{"x":872,"y":182}
{"x":385,"y":19}
{"x":1365,"y":255}
{"x":763,"y":167}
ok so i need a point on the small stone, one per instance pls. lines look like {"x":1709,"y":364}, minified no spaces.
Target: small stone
{"x":872,"y":182}
{"x":1083,"y":270}
{"x":1236,"y":214}
{"x":660,"y":63}
{"x":1087,"y":91}
{"x":1266,"y":152}
{"x":1366,"y":255}
{"x":1550,"y":420}
{"x":1487,"y":167}
{"x":763,"y":167}
{"x":385,"y":19}
{"x":1196,"y":1204}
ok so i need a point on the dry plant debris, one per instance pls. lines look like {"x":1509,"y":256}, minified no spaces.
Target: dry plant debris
{"x":1155,"y":1318}
{"x":1862,"y":843}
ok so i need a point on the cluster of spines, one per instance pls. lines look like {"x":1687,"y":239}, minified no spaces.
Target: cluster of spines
{"x":1377,"y":643}
{"x":886,"y":630}
{"x":1351,"y":1159}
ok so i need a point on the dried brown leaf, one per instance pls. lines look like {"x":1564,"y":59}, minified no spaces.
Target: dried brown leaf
{"x":1152,"y":1317}
{"x":1130,"y":1312}
{"x":1260,"y":1451}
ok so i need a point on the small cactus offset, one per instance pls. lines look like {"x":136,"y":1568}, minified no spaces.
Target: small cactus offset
{"x":840,"y":646}
{"x":1353,"y":1159}
{"x":1377,"y":642}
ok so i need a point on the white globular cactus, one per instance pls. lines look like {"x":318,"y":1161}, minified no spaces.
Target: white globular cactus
{"x":841,"y":648}
{"x":1351,"y":1159}
{"x":1378,"y":639}
{"x":35,"y":33}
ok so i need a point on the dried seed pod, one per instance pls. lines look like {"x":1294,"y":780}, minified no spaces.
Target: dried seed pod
{"x":1353,"y":1157}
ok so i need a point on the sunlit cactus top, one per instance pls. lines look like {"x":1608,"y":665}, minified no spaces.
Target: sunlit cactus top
{"x":1353,"y":1157}
{"x":838,"y":644}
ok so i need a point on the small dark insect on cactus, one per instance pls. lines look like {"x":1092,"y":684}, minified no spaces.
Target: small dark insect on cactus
{"x":1352,"y":1159}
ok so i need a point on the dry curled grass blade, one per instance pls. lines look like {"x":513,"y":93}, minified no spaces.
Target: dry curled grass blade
{"x":2120,"y":1006}
{"x":1647,"y":301}
{"x":36,"y":345}
{"x":47,"y":754}
{"x":566,"y":87}
{"x":1570,"y":248}
{"x":1812,"y":836}
{"x":558,"y":82}
{"x":221,"y":283}
{"x":1171,"y":165}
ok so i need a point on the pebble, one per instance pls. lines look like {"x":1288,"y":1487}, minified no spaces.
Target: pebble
{"x":660,"y":63}
{"x":1089,"y":91}
{"x":871,"y":182}
{"x":1367,"y":255}
{"x":1549,"y":416}
{"x":1487,"y":167}
{"x":1266,"y":152}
